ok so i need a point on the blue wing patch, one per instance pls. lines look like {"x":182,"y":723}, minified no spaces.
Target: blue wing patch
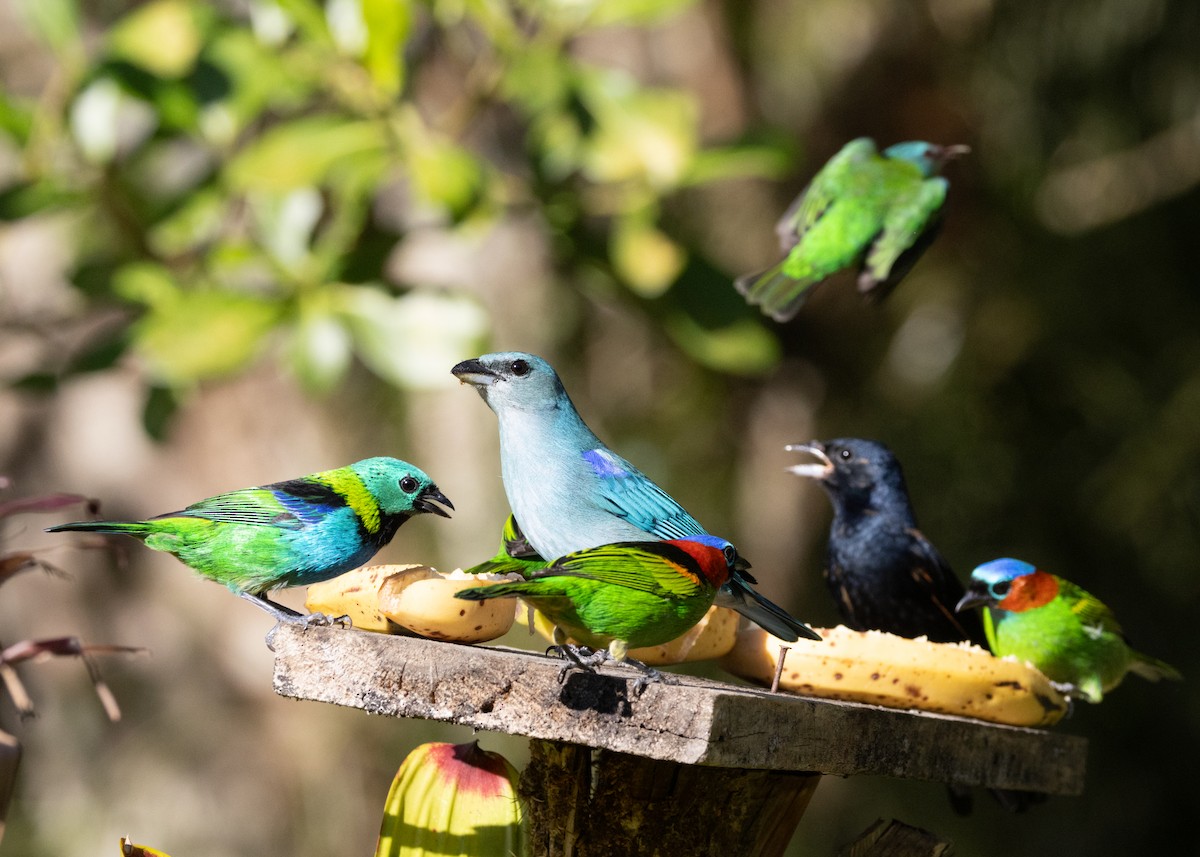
{"x":633,"y":497}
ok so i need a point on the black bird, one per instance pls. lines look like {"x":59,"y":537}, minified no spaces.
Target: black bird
{"x":883,"y":573}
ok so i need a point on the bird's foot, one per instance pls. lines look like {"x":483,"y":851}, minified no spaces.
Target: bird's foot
{"x":648,"y":674}
{"x":577,"y":658}
{"x":322,"y":620}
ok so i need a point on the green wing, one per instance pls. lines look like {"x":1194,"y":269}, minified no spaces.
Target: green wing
{"x":516,"y":555}
{"x":906,"y":221}
{"x":822,"y":191}
{"x":1091,"y":611}
{"x":255,"y":506}
{"x":653,"y":567}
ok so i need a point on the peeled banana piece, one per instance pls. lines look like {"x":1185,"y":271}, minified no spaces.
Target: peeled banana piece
{"x":708,"y":639}
{"x":422,"y":600}
{"x":883,"y":669}
{"x":413,"y":599}
{"x":354,"y":594}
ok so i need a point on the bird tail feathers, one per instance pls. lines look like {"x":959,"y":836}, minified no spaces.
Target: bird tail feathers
{"x":779,"y":295}
{"x":1152,"y":668}
{"x":740,"y":596}
{"x":125,"y":528}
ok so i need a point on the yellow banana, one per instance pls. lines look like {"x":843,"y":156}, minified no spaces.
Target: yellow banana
{"x":354,"y":594}
{"x":883,"y":669}
{"x":412,"y":598}
{"x":422,"y":600}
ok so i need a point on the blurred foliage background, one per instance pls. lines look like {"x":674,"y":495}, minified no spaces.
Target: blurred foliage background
{"x":246,"y":240}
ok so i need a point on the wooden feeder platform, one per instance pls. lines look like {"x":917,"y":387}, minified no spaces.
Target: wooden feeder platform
{"x":697,"y":767}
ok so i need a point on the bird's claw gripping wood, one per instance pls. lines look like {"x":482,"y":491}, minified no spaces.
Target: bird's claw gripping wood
{"x":577,"y":658}
{"x":587,"y":659}
{"x":648,"y":674}
{"x":322,"y":620}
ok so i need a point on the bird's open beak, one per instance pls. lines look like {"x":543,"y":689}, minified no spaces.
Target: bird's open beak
{"x":949,"y":153}
{"x":474,"y":373}
{"x":971,"y":599}
{"x":425,"y":502}
{"x":823,"y":469}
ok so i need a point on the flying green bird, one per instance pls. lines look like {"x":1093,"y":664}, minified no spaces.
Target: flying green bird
{"x":292,"y":533}
{"x":622,"y":596}
{"x":863,"y":208}
{"x":1068,"y":634}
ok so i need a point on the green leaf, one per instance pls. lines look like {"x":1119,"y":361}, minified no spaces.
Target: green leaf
{"x":707,"y":318}
{"x":301,"y":152}
{"x":56,"y":22}
{"x":646,"y":135}
{"x":196,"y":222}
{"x":161,"y":405}
{"x":388,"y":24}
{"x":260,"y":78}
{"x":36,"y":382}
{"x":28,"y":198}
{"x":163,"y":37}
{"x":645,"y":258}
{"x":744,"y":347}
{"x":203,"y":334}
{"x":146,"y":283}
{"x":16,"y":118}
{"x":309,"y":17}
{"x":410,"y":340}
{"x":447,"y":175}
{"x":538,"y":78}
{"x":768,"y":162}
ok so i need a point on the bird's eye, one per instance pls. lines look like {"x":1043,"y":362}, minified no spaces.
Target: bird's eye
{"x":408,"y":485}
{"x":844,"y":454}
{"x":730,"y":554}
{"x":1000,"y":589}
{"x":519,"y":368}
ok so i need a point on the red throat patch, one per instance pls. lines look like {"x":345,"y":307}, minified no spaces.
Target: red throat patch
{"x":1030,"y":591}
{"x":710,"y":561}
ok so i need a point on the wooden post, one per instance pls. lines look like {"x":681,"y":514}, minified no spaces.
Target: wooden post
{"x":596,"y":803}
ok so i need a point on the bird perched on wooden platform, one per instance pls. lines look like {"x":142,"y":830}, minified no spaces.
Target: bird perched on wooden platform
{"x":291,"y":533}
{"x":622,"y":596}
{"x":1064,"y":631}
{"x":570,"y":492}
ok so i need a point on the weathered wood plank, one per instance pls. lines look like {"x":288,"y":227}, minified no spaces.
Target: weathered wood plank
{"x":695,"y":722}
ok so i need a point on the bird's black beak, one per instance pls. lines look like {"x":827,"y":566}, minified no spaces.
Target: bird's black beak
{"x":973,"y":598}
{"x":741,"y":567}
{"x":425,"y":502}
{"x":823,"y":469}
{"x":474,"y":373}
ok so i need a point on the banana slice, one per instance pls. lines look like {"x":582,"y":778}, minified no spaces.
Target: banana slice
{"x":422,"y":600}
{"x":710,"y":638}
{"x":354,"y":594}
{"x":883,"y":669}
